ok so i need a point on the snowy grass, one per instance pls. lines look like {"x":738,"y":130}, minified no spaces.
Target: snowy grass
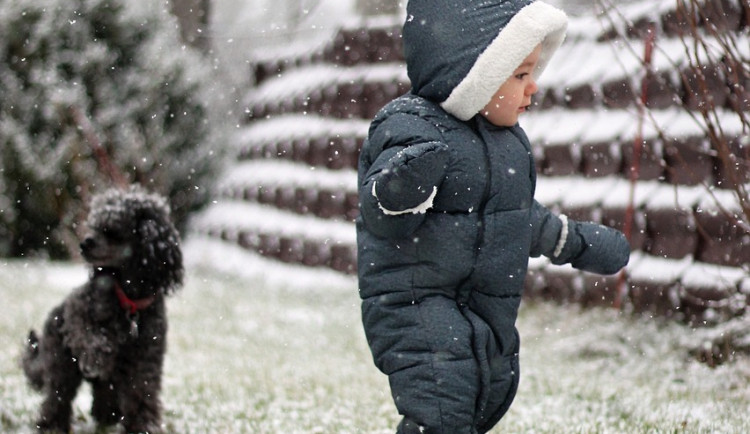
{"x":259,"y":348}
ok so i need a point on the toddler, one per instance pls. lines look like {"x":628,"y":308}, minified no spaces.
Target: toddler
{"x":448,"y":218}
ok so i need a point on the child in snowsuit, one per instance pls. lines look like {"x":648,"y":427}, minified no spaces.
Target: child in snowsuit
{"x":448,"y":218}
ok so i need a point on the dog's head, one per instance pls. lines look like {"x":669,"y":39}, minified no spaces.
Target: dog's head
{"x":131,"y":231}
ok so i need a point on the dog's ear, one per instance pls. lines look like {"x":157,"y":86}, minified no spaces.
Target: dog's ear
{"x":149,"y":229}
{"x":161,"y":255}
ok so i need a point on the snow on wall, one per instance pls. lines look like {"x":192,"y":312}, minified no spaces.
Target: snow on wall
{"x":312,"y":78}
{"x":655,"y":269}
{"x":289,"y":127}
{"x":253,"y":218}
{"x":290,"y":174}
{"x":236,"y":261}
{"x":612,"y":125}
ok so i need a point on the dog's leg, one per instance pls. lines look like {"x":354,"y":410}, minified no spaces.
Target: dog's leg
{"x":50,"y":366}
{"x":105,"y":408}
{"x":139,"y":394}
{"x":62,"y":380}
{"x":141,"y":405}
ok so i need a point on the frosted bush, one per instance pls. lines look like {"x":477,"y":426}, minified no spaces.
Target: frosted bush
{"x":82,"y":75}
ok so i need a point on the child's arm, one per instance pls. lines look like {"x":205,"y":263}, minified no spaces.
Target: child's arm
{"x":399,"y":186}
{"x":586,"y":246}
{"x":409,"y":179}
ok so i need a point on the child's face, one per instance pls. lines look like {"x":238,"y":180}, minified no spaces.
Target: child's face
{"x":514,"y":96}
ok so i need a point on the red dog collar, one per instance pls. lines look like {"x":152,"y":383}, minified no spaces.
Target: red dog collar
{"x":132,"y":306}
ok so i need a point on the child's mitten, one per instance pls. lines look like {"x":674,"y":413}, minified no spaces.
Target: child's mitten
{"x":409,"y":181}
{"x":595,"y":248}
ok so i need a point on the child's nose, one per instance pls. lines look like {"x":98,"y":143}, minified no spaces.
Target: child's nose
{"x":532,"y":88}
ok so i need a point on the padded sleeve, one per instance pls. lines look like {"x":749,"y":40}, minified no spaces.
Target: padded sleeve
{"x":402,"y":166}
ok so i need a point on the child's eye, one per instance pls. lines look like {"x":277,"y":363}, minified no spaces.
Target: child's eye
{"x":522,"y":75}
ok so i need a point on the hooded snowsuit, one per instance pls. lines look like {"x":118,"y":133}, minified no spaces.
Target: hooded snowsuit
{"x":448,"y":218}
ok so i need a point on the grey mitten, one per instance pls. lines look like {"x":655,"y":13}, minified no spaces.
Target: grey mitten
{"x":595,"y":248}
{"x":411,"y":177}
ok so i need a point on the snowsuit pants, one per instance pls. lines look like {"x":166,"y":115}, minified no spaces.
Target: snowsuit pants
{"x":448,"y":372}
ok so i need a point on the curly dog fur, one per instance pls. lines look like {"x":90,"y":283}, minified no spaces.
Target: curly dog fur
{"x":112,"y":330}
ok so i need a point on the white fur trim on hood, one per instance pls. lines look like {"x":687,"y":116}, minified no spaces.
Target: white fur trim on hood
{"x":534,"y":24}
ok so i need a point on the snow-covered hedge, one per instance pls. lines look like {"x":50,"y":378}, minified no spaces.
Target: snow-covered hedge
{"x":94,"y":92}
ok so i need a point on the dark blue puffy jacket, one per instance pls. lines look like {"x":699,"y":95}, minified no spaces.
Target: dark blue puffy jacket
{"x":441,"y":289}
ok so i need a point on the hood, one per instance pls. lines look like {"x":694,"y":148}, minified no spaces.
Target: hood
{"x":459,"y":52}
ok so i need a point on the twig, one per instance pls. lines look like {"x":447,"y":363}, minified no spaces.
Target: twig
{"x":635,"y":166}
{"x":707,"y":118}
{"x":103,"y":162}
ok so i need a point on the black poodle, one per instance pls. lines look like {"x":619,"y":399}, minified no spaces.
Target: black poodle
{"x":112,"y":330}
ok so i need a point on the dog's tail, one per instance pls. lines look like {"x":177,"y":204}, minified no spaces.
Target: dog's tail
{"x":31,"y":362}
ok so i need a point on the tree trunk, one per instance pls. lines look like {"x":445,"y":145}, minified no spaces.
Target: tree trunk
{"x":193,"y":16}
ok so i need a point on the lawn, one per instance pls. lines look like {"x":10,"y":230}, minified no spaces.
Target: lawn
{"x":255,"y":347}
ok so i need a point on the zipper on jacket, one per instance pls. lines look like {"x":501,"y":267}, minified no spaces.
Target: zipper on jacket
{"x":464,"y":292}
